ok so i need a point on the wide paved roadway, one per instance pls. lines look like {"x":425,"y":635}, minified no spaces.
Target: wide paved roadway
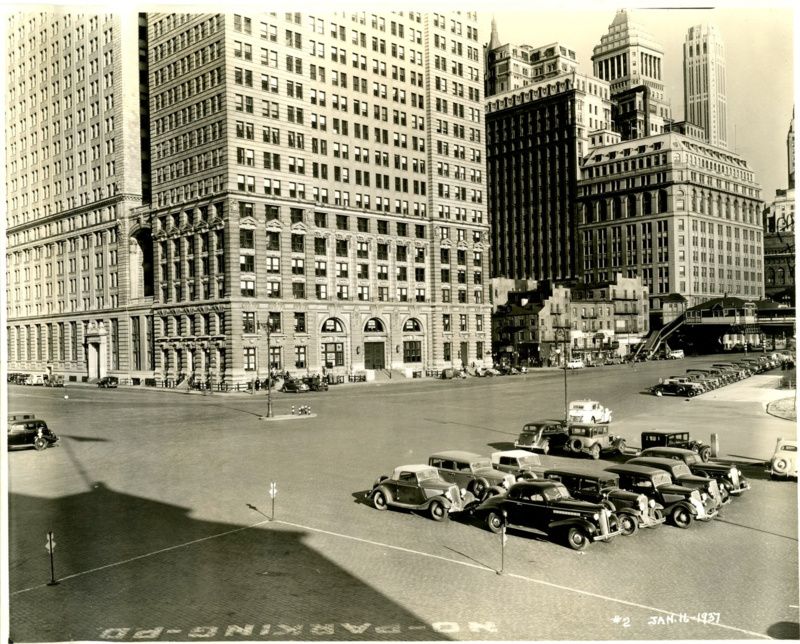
{"x":160,"y":508}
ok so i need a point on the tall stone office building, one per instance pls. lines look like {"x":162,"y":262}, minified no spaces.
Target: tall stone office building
{"x":631,"y":60}
{"x":77,"y":171}
{"x":704,"y":83}
{"x":542,"y":117}
{"x":680,"y":213}
{"x":315,"y":197}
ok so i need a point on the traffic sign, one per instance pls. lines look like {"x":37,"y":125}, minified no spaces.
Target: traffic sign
{"x":273,"y":489}
{"x":51,"y":543}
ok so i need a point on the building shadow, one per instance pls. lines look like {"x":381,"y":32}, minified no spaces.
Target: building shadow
{"x":131,"y":568}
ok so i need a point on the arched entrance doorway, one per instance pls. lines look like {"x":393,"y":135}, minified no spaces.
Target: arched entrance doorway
{"x":374,"y":344}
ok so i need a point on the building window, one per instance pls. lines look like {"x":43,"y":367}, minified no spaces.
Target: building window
{"x":249,"y":358}
{"x":479,"y":350}
{"x":275,"y":358}
{"x":300,"y":357}
{"x":248,"y":288}
{"x":299,"y":290}
{"x":462,"y":322}
{"x":448,"y":356}
{"x":248,"y":322}
{"x":299,"y":322}
{"x":412,"y":351}
{"x":333,"y":354}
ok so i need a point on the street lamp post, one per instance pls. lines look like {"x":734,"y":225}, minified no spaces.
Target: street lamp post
{"x":561,"y":336}
{"x":268,"y":326}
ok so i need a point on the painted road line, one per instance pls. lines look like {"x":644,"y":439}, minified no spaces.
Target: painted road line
{"x":144,"y":556}
{"x":522,"y":577}
{"x":399,"y":549}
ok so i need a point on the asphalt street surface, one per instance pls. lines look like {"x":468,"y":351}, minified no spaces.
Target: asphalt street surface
{"x":165,"y":528}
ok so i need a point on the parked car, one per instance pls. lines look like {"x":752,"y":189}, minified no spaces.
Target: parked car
{"x":575,"y":363}
{"x":54,"y":380}
{"x":593,"y":439}
{"x":29,"y":431}
{"x":35,"y":379}
{"x":588,"y":411}
{"x":632,"y":509}
{"x":658,"y":438}
{"x":108,"y":382}
{"x":682,"y":505}
{"x":547,"y":507}
{"x":471,"y":471}
{"x":542,"y":436}
{"x":316,"y":383}
{"x":783,"y":463}
{"x":676,"y":354}
{"x":680,"y":386}
{"x":681,"y":474}
{"x":419,"y":487}
{"x":294,"y":386}
{"x":522,"y":464}
{"x":728,"y":476}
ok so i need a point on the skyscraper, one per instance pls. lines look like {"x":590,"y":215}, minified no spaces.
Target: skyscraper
{"x":77,"y":170}
{"x":704,"y":83}
{"x":630,"y":60}
{"x":317,"y":198}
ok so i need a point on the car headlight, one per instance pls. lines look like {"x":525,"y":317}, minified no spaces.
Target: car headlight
{"x":463,"y":492}
{"x":703,"y":496}
{"x":596,"y":516}
{"x":651,"y":503}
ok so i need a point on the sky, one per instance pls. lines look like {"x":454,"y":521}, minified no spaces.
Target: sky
{"x":759,"y":51}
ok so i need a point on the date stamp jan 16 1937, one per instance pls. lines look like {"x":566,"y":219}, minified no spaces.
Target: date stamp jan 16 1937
{"x":668,"y":619}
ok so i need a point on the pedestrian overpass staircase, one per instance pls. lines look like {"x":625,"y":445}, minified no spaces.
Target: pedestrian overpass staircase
{"x":657,"y":338}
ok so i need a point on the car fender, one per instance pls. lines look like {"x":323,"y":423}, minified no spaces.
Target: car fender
{"x":441,"y":498}
{"x":588,"y":526}
{"x":685,"y":504}
{"x":378,"y":481}
{"x":386,"y":493}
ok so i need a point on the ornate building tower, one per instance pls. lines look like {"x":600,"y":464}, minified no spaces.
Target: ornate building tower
{"x":704,"y":82}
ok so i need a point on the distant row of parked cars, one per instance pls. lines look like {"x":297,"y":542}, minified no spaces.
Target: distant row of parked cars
{"x":35,"y":379}
{"x":699,"y":380}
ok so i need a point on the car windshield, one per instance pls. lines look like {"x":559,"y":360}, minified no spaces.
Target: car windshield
{"x":692,"y":459}
{"x":580,"y":431}
{"x":482,"y":464}
{"x":556,"y":493}
{"x":426,"y":475}
{"x":662,"y":479}
{"x":531,"y":459}
{"x":681,"y":469}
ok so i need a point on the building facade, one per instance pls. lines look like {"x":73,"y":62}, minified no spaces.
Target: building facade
{"x":630,"y":60}
{"x":77,"y":170}
{"x":535,"y":138}
{"x":704,"y":83}
{"x":318,"y":198}
{"x":683,"y":215}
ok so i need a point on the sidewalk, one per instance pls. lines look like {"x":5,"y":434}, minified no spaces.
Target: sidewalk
{"x":784,"y":408}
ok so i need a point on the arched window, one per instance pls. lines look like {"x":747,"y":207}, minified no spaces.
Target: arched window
{"x":602,"y":210}
{"x":616,"y":208}
{"x":374,"y":325}
{"x":333,"y":325}
{"x":770,"y":276}
{"x":662,"y":201}
{"x":412,"y":325}
{"x":647,"y":203}
{"x":781,"y":277}
{"x":631,"y":205}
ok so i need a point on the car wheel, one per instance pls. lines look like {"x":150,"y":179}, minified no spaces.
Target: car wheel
{"x":705,"y":453}
{"x":576,"y":445}
{"x":438,"y":511}
{"x":380,"y":501}
{"x":628,"y":524}
{"x":658,"y":514}
{"x":780,"y":466}
{"x":39,"y":443}
{"x":681,"y":517}
{"x":724,"y":493}
{"x":595,"y":451}
{"x":479,"y":489}
{"x":577,"y":539}
{"x":494,"y":522}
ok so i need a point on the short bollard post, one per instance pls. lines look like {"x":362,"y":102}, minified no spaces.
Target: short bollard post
{"x":273,"y":492}
{"x":292,"y":410}
{"x":503,"y":539}
{"x":50,"y":546}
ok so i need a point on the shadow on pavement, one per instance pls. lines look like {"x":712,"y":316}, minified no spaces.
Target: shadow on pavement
{"x":502,"y":446}
{"x":132,"y":568}
{"x":84,"y":439}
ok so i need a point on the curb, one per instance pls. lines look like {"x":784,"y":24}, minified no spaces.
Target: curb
{"x":286,"y":417}
{"x":773,"y":409}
